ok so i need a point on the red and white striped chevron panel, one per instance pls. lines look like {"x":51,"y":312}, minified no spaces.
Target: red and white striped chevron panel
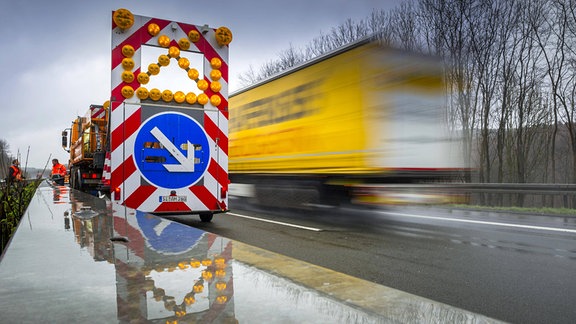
{"x":98,"y":112}
{"x":129,"y":113}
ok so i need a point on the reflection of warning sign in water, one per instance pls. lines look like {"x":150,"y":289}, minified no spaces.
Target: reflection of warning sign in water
{"x":171,"y":150}
{"x":167,"y":237}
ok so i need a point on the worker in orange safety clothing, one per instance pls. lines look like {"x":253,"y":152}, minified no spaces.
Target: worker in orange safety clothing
{"x":58,"y":172}
{"x":14,"y":172}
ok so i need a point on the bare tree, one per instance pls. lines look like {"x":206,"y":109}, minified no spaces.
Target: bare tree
{"x":404,"y":27}
{"x":5,"y":158}
{"x":446,"y":33}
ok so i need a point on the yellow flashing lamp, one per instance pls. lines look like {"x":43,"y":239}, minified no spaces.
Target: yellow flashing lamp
{"x":215,"y":63}
{"x":215,"y":100}
{"x":184,"y":63}
{"x":206,"y":262}
{"x":127,"y":92}
{"x":142,"y":93}
{"x":164,"y":41}
{"x":167,"y":95}
{"x":155,"y":94}
{"x":163,"y":60}
{"x":220,"y":285}
{"x":215,"y":75}
{"x":180,"y":313}
{"x":143,"y":78}
{"x":220,"y":262}
{"x":202,"y":99}
{"x":223,"y":36}
{"x":191,"y":98}
{"x":189,"y":300}
{"x":198,"y":288}
{"x":123,"y":18}
{"x":179,"y":96}
{"x":128,"y":63}
{"x":194,"y":263}
{"x":193,"y":74}
{"x":215,"y":86}
{"x":153,"y":29}
{"x":202,"y":84}
{"x":153,"y":69}
{"x":184,"y":44}
{"x":128,"y":50}
{"x":207,"y":275}
{"x":220,"y":273}
{"x":194,"y":36}
{"x":173,"y":52}
{"x":127,"y":76}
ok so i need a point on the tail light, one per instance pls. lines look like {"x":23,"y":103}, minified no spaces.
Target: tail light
{"x":117,"y":193}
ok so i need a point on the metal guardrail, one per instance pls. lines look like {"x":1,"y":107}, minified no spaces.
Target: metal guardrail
{"x":538,"y":195}
{"x":508,"y":188}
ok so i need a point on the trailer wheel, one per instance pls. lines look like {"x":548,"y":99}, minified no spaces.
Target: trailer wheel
{"x":206,"y":217}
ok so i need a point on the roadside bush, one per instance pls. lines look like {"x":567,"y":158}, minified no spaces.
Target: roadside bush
{"x":14,"y":199}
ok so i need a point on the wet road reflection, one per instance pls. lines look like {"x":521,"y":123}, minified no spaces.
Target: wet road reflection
{"x":76,"y":258}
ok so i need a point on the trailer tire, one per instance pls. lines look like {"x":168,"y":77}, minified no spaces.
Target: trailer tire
{"x":206,"y":217}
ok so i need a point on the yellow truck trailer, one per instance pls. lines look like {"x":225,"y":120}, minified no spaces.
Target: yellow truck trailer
{"x":364,"y":114}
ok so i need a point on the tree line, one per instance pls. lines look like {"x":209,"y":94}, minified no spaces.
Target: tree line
{"x":510,"y":77}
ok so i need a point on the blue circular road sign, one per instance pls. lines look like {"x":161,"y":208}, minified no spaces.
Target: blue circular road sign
{"x":171,"y":150}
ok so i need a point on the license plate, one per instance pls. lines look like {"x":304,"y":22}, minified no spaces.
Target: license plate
{"x":172,"y":198}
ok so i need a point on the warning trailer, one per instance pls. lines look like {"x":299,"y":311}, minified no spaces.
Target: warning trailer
{"x":158,"y":150}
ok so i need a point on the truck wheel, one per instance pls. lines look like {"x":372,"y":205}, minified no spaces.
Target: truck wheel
{"x":78,"y":182}
{"x":74,"y":179}
{"x":206,"y":217}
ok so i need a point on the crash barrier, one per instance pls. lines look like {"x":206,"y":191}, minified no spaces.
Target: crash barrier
{"x":535,"y":195}
{"x":77,"y":258}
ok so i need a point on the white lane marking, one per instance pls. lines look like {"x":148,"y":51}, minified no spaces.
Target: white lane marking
{"x":554,"y":229}
{"x":278,"y":223}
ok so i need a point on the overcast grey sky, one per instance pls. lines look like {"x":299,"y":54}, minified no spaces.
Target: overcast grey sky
{"x":56,"y":54}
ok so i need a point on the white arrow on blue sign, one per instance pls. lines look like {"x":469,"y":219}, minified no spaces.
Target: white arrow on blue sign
{"x":182,"y":156}
{"x":186,"y":162}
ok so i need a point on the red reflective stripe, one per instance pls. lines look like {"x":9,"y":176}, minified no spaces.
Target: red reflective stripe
{"x":216,"y":133}
{"x":139,"y":196}
{"x":206,"y":197}
{"x":123,"y":171}
{"x":171,"y":207}
{"x":218,"y":173}
{"x":122,"y":132}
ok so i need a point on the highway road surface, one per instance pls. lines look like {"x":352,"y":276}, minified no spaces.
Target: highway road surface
{"x":512,"y":267}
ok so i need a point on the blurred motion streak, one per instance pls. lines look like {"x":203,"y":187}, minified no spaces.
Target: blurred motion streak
{"x":362,"y":115}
